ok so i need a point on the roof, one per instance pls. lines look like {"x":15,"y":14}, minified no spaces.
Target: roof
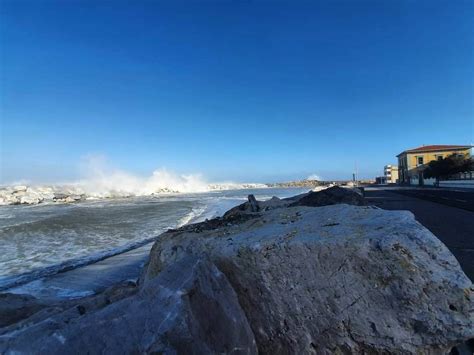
{"x":434,"y":148}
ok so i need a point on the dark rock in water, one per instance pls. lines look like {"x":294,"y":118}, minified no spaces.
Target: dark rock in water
{"x":211,"y":224}
{"x":14,"y":308}
{"x":59,"y":196}
{"x":252,"y":207}
{"x":331,"y":196}
{"x":190,"y":308}
{"x":253,"y":204}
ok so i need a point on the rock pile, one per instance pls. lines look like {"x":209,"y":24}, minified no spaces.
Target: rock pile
{"x":26,"y":195}
{"x":283,"y":278}
{"x":299,"y":183}
{"x":331,"y":196}
{"x":190,"y":308}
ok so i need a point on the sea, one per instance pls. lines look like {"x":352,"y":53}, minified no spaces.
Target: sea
{"x":56,"y":251}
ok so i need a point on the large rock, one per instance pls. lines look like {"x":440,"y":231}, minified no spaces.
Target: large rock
{"x":331,"y":196}
{"x":190,"y":308}
{"x":8,"y":198}
{"x":60,"y":196}
{"x":19,"y":188}
{"x":14,"y":308}
{"x":252,"y":206}
{"x":18,"y":310}
{"x":334,"y":279}
{"x":31,"y":197}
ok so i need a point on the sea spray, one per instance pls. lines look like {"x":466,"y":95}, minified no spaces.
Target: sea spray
{"x":101,"y":182}
{"x":121,"y":184}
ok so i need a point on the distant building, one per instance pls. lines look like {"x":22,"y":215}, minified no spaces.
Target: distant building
{"x":412,"y":162}
{"x":391,"y":174}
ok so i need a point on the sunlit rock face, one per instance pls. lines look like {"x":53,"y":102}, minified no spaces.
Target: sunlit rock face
{"x":334,"y":279}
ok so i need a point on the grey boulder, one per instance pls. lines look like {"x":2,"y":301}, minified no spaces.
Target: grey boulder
{"x":190,"y":308}
{"x":337,"y":279}
{"x":331,"y":196}
{"x":14,"y":308}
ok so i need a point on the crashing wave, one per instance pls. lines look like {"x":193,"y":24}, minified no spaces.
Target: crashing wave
{"x":104,"y":181}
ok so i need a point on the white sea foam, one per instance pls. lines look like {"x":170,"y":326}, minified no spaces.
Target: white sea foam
{"x":121,"y":184}
{"x":314,"y":177}
{"x":102,"y":180}
{"x":192,"y":216}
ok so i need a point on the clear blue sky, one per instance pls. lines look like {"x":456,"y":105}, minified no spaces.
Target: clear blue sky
{"x":236,"y":90}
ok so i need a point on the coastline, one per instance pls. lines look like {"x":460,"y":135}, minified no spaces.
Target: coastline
{"x":74,"y":193}
{"x":336,"y":252}
{"x":93,"y":274}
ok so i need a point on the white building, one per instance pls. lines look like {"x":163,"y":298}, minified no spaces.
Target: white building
{"x":391,"y":174}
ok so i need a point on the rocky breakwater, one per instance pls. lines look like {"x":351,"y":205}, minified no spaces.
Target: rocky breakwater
{"x":299,"y":183}
{"x":27,"y":195}
{"x":311,"y":274}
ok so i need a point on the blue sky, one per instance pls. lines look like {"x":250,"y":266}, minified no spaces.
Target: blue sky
{"x":235,"y":90}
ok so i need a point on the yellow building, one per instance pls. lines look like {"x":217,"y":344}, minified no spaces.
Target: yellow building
{"x":412,"y":162}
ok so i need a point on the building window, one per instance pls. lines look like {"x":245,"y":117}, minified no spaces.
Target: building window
{"x":420,"y":160}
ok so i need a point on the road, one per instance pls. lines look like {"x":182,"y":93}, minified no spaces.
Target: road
{"x":436,"y":210}
{"x":451,"y":197}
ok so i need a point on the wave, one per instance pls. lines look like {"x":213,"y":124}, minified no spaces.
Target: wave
{"x":102,"y":182}
{"x":314,"y":177}
{"x":16,"y":280}
{"x":192,"y":216}
{"x":7,"y":282}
